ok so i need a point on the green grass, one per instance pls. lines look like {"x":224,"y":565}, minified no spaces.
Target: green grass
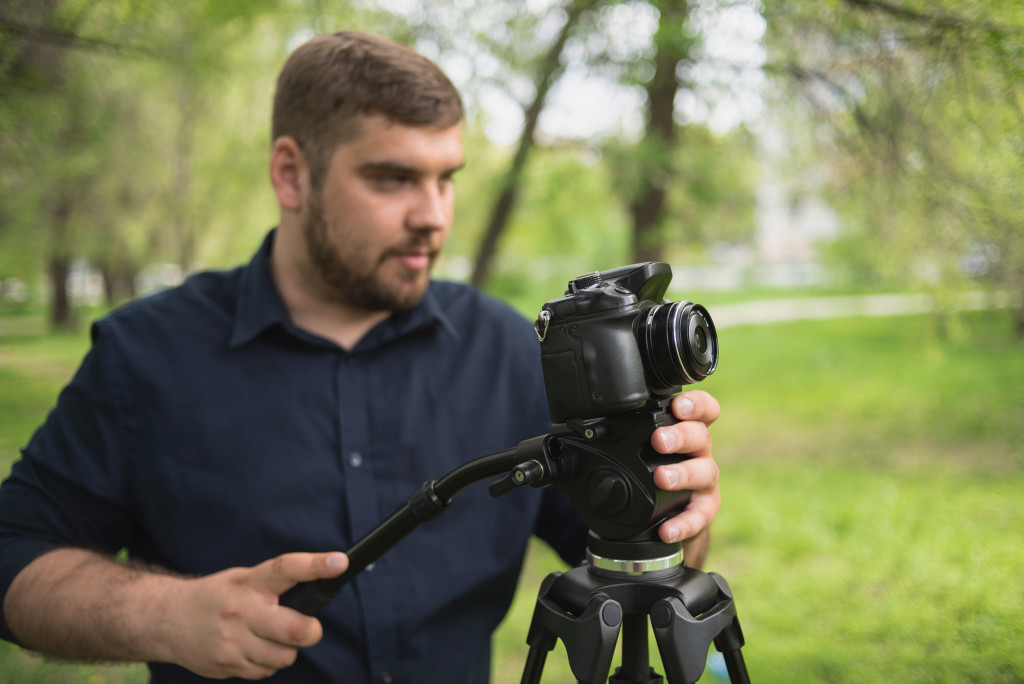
{"x":872,"y":484}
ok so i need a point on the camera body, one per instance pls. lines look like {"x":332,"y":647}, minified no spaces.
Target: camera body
{"x":611,"y":343}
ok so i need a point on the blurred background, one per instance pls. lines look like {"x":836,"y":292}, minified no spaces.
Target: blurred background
{"x":838,"y":181}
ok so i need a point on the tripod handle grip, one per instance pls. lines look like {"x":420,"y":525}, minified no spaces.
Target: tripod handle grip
{"x":426,"y":503}
{"x":309,"y":598}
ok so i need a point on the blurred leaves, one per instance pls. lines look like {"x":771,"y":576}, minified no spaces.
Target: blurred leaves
{"x":134,"y":132}
{"x":917,"y":109}
{"x":110,"y":144}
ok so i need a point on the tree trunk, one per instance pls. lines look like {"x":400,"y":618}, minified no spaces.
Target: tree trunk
{"x":60,"y":305}
{"x":509,"y":193}
{"x":118,"y":284}
{"x":61,"y":317}
{"x":647,"y":207}
{"x":183,"y":233}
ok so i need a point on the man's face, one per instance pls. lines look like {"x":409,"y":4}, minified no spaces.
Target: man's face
{"x":376,"y":227}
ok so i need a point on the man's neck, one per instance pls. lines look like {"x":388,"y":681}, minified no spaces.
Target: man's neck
{"x":313,"y":312}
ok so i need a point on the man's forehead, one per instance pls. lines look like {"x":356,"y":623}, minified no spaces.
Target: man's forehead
{"x":382,"y":142}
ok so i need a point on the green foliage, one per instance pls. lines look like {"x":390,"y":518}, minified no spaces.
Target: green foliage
{"x":568,"y":222}
{"x":27,"y":668}
{"x":712,"y":190}
{"x":140,"y":135}
{"x":871,"y":485}
{"x":715,"y":193}
{"x":917,"y":108}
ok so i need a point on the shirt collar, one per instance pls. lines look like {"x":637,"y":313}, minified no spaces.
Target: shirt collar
{"x":259,"y":304}
{"x":260,"y":307}
{"x":428,"y":312}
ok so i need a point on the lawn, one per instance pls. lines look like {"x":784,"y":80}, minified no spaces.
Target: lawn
{"x":872,"y":485}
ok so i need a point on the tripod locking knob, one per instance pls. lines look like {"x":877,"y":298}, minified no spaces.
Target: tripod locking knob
{"x":526,"y":473}
{"x":607,"y":493}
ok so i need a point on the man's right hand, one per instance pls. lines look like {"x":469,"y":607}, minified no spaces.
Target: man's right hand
{"x":230,"y":623}
{"x":80,"y":605}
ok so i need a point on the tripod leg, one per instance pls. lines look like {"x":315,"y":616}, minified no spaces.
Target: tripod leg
{"x":589,"y":637}
{"x":684,"y":640}
{"x":736,"y":667}
{"x":541,"y":644}
{"x":636,"y":660}
{"x":730,"y":640}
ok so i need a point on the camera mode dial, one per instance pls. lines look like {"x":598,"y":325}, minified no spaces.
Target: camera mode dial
{"x":583,"y":282}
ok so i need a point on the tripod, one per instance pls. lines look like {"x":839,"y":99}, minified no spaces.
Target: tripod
{"x":605,"y":465}
{"x":589,"y":605}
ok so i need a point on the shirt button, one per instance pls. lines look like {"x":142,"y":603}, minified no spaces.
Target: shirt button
{"x":355,"y":459}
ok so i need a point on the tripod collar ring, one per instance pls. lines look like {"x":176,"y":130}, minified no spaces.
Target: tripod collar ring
{"x":634,"y":568}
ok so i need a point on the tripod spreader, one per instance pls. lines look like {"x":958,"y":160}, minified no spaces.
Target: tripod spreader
{"x":587,"y":608}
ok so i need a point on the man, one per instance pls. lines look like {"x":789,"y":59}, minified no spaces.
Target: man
{"x":284,"y":408}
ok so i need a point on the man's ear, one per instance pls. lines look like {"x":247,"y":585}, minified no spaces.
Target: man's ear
{"x":289,"y":174}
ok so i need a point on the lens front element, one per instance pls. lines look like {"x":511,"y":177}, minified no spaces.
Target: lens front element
{"x":678,"y":344}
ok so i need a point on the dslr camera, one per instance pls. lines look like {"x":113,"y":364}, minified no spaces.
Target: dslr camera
{"x":612,"y":343}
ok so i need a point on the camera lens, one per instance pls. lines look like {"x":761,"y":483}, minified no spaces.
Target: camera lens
{"x":678,"y":344}
{"x":700,"y":340}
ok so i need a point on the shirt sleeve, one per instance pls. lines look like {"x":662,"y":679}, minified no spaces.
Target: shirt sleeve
{"x":68,"y":488}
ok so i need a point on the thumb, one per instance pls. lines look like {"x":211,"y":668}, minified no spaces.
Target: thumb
{"x":280,"y":574}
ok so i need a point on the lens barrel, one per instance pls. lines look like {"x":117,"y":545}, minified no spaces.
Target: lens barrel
{"x":678,"y":344}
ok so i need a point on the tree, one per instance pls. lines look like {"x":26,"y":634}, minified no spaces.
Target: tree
{"x":547,"y":70}
{"x":84,"y":158}
{"x":654,"y":156}
{"x":649,"y":177}
{"x":34,"y":70}
{"x":919,"y":108}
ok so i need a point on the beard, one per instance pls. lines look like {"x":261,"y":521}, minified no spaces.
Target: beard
{"x":356,"y":279}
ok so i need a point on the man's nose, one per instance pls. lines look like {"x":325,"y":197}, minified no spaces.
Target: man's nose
{"x":432,"y":209}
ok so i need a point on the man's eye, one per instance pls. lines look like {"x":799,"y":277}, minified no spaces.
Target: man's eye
{"x":391,"y":180}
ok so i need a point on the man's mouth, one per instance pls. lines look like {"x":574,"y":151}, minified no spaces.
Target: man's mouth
{"x":415,"y":259}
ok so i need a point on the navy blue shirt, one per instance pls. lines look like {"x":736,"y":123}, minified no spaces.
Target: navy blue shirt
{"x":203,"y":431}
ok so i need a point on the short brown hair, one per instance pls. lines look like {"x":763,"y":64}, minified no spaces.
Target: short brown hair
{"x":330,"y":82}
